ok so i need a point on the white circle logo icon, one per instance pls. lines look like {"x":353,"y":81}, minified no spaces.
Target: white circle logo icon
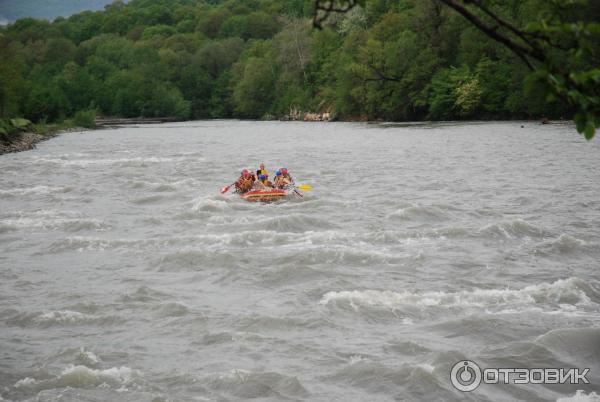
{"x":465,"y":375}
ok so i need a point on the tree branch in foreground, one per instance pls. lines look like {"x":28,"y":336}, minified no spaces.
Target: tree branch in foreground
{"x":534,"y":46}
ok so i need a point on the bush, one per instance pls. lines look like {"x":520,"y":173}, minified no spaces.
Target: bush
{"x":6,"y":127}
{"x":20,"y":123}
{"x":10,"y":129}
{"x":85,"y":118}
{"x":5,"y":131}
{"x":41,"y":128}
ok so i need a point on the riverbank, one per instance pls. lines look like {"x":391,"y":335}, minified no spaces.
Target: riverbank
{"x":22,"y":142}
{"x":26,"y":137}
{"x":27,"y":140}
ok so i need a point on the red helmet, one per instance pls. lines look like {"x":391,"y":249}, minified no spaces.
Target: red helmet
{"x":245,"y":173}
{"x":284,"y":171}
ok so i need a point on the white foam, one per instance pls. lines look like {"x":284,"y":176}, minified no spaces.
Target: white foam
{"x":562,"y":292}
{"x":51,"y":220}
{"x":68,"y":224}
{"x":81,"y":377}
{"x":87,"y":357}
{"x":355,"y":359}
{"x":87,"y":243}
{"x":516,"y":228}
{"x":25,"y":382}
{"x":62,"y":317}
{"x":209,"y":205}
{"x":581,"y":396}
{"x":420,"y":212}
{"x":138,"y":161}
{"x":562,"y":245}
{"x":426,"y":367}
{"x":36,"y":190}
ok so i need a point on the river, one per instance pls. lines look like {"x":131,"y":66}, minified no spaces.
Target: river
{"x":126,"y":276}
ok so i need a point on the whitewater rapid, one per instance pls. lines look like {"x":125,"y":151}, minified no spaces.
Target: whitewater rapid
{"x":124,"y":275}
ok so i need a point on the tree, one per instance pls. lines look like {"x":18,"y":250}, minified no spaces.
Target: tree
{"x":11,"y":80}
{"x":45,"y":101}
{"x":78,"y":86}
{"x":253,"y":93}
{"x":560,"y":49}
{"x":258,"y":25}
{"x":390,"y":59}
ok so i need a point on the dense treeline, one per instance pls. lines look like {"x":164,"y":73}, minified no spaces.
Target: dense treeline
{"x":393,"y":60}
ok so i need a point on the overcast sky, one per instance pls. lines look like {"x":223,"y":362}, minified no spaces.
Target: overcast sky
{"x":11,"y":10}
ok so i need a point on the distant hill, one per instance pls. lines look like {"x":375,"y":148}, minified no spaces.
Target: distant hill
{"x":12,"y":10}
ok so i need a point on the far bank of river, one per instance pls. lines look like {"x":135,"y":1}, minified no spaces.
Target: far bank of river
{"x":27,"y":140}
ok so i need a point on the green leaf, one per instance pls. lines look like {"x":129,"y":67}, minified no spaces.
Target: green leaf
{"x":589,"y":131}
{"x":580,"y":122}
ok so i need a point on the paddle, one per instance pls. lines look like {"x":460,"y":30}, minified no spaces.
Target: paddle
{"x":226,"y":188}
{"x":304,"y":187}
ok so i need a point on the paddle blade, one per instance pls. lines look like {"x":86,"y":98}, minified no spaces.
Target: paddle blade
{"x":304,"y":187}
{"x":225,"y":189}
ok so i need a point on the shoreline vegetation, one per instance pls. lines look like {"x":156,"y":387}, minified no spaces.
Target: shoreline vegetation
{"x":390,"y":60}
{"x":20,"y":134}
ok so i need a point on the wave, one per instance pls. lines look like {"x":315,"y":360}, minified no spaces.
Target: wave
{"x":292,"y":274}
{"x":59,"y":318}
{"x":581,"y":396}
{"x":217,"y":211}
{"x":144,"y":294}
{"x":517,"y":228}
{"x":6,"y":227}
{"x":36,"y":190}
{"x":294,"y":223}
{"x":124,"y":162}
{"x":406,"y":348}
{"x":88,"y":243}
{"x":556,"y":295}
{"x":244,"y":238}
{"x":157,"y":187}
{"x":164,"y":188}
{"x":87,"y":358}
{"x":579,"y":344}
{"x":169,"y":310}
{"x":210,"y":204}
{"x":261,"y":237}
{"x":195,"y":258}
{"x":149,"y":199}
{"x":67,"y":224}
{"x":246,"y":384}
{"x":215,"y":339}
{"x":81,"y":377}
{"x":564,"y":244}
{"x":84,"y":243}
{"x":426,"y":213}
{"x":382,"y":378}
{"x":408,"y":236}
{"x":259,"y":323}
{"x":344,"y":255}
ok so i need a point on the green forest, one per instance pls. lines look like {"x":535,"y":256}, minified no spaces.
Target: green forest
{"x":391,"y":60}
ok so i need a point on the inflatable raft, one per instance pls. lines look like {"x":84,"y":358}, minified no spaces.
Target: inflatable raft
{"x":268,"y":195}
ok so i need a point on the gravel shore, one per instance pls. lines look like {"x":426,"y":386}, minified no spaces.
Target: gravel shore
{"x":27,"y":140}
